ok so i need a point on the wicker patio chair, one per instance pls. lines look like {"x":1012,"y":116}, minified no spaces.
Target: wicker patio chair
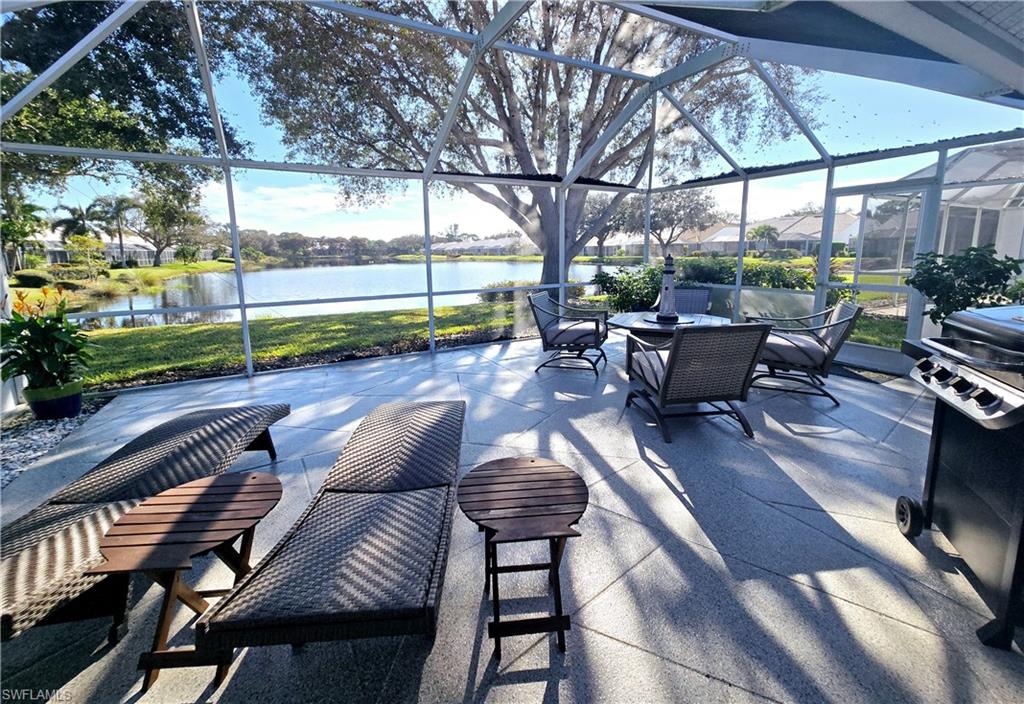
{"x":367,"y":557}
{"x":690,"y":300}
{"x":702,"y":364}
{"x":802,"y":350}
{"x":46,"y":552}
{"x":569,"y":333}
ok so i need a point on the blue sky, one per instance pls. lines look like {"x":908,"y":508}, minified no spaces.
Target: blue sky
{"x":857,"y":115}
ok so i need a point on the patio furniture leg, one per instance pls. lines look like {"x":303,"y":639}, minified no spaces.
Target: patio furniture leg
{"x":659,"y":419}
{"x":495,"y":606}
{"x":487,"y":562}
{"x":121,"y":585}
{"x":557,"y":548}
{"x":163,"y":624}
{"x":818,"y":389}
{"x":741,"y":418}
{"x":263,"y":441}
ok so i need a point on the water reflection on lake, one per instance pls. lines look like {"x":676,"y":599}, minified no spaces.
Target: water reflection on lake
{"x":318,"y":282}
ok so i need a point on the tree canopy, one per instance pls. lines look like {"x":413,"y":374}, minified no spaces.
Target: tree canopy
{"x":364,"y":93}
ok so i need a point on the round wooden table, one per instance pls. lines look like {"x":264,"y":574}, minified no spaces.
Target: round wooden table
{"x":519,"y":499}
{"x":161,"y":535}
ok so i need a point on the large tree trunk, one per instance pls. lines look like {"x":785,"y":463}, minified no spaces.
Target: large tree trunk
{"x":156,"y":255}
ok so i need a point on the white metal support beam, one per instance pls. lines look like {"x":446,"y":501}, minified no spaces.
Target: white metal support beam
{"x":828,"y":223}
{"x":693,"y":65}
{"x":787,"y":104}
{"x":19,"y":5}
{"x":192,"y":15}
{"x":75,"y":54}
{"x":678,"y":105}
{"x":741,"y":251}
{"x":922,"y":27}
{"x":941,"y":76}
{"x":458,"y":35}
{"x":494,"y":29}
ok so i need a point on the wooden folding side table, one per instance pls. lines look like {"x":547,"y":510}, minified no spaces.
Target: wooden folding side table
{"x":520,"y":499}
{"x":161,"y":535}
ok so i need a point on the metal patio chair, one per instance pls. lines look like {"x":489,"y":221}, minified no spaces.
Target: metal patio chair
{"x":690,"y":300}
{"x":569,"y":333}
{"x":802,"y":350}
{"x":701,"y":364}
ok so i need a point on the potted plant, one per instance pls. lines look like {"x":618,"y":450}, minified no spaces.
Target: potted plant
{"x":975,"y":278}
{"x":50,"y":351}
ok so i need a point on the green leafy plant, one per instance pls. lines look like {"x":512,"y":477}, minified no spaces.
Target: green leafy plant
{"x":188,"y":253}
{"x":41,"y":344}
{"x":635,"y":288}
{"x":86,"y":251}
{"x":1015,"y":291}
{"x":977,"y":277}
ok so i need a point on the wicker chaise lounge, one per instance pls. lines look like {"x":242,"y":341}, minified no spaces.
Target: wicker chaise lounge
{"x":367,"y":556}
{"x":46,"y":552}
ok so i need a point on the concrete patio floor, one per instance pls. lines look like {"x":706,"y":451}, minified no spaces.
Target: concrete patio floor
{"x":715,"y":568}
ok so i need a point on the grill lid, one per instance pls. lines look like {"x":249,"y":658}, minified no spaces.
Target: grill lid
{"x":1002,"y":326}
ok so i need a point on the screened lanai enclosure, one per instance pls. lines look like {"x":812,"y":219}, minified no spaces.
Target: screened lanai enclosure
{"x":380,"y":177}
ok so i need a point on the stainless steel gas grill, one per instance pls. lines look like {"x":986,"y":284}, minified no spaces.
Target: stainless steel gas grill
{"x":974,"y":487}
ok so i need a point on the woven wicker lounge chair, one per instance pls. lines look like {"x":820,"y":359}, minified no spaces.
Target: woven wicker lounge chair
{"x":46,"y":552}
{"x":690,"y":300}
{"x":702,"y":364}
{"x":367,"y":557}
{"x":569,"y":333}
{"x":803,"y":349}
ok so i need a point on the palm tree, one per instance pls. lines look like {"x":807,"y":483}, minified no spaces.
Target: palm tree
{"x":80,"y":221}
{"x":115,"y":209}
{"x":766,"y":234}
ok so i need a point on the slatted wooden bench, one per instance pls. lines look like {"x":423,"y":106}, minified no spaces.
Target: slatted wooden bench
{"x":46,"y":553}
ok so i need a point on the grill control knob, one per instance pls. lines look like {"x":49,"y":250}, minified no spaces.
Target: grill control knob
{"x":985,"y":399}
{"x":962,"y":387}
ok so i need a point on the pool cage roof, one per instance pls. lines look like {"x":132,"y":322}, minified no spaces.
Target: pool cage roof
{"x":973,"y":50}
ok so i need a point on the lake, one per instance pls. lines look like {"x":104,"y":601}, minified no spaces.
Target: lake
{"x":318,"y":282}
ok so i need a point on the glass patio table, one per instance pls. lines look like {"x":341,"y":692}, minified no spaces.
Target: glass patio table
{"x":644,"y":325}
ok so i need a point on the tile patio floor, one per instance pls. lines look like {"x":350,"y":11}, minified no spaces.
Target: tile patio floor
{"x":716,"y":568}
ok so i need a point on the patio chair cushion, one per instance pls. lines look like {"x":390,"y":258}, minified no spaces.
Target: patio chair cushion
{"x":401,"y":446}
{"x":650,"y":366}
{"x":590,"y":331}
{"x":793,"y":349}
{"x":192,"y":446}
{"x":353,"y":562}
{"x":45,"y":556}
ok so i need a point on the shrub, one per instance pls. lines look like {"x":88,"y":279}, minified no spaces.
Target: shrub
{"x":226,"y":260}
{"x":787,"y":253}
{"x":778,"y":276}
{"x":708,"y":270}
{"x":73,"y":272}
{"x":188,"y":253}
{"x":631,"y":289}
{"x":34,"y":261}
{"x":32,"y":278}
{"x":1015,"y":292}
{"x":251,"y":255}
{"x":975,"y":277}
{"x":71,"y":285}
{"x":219,"y":251}
{"x":129,"y":263}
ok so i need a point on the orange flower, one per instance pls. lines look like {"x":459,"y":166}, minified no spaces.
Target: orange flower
{"x":45,"y":290}
{"x":20,"y":307}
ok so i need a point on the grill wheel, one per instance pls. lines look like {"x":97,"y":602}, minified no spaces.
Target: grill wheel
{"x":909,"y":516}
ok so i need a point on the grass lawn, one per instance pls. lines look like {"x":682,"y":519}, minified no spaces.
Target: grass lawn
{"x":881,"y":330}
{"x":129,"y":356}
{"x":123,"y":282}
